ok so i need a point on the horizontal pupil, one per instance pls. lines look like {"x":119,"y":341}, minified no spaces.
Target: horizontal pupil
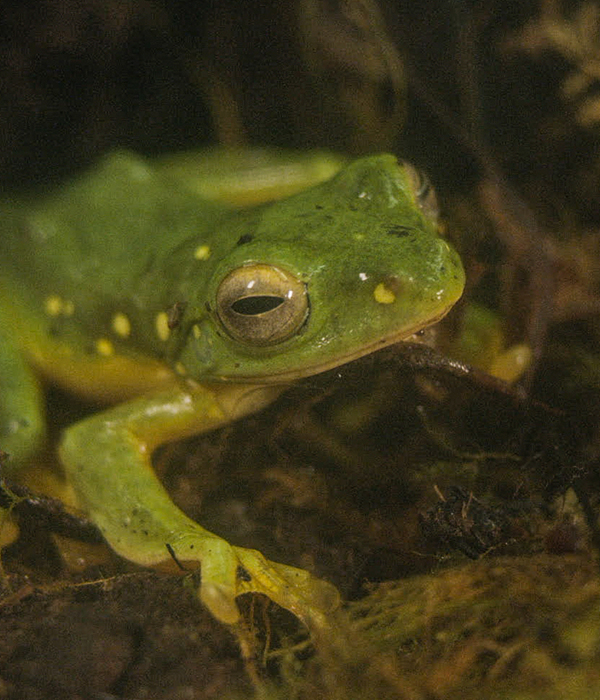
{"x":252,"y":306}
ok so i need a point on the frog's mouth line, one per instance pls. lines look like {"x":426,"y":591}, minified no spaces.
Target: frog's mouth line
{"x":294,"y":375}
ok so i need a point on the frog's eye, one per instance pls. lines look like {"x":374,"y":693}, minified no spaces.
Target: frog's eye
{"x":423,"y":191}
{"x":261,"y":304}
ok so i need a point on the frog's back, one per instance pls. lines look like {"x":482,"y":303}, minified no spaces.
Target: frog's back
{"x":88,"y":263}
{"x":105,"y":228}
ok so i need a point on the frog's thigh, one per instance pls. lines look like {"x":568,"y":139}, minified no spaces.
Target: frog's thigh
{"x":107,"y":461}
{"x":22,"y":421}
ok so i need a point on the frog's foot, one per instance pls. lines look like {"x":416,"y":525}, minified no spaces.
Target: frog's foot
{"x":227,"y":572}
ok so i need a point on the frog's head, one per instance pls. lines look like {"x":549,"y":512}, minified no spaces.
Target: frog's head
{"x":324,"y":277}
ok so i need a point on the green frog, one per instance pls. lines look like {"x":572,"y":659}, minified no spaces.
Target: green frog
{"x":178,"y":311}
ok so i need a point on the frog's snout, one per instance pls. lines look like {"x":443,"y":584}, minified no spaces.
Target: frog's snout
{"x":436,"y":273}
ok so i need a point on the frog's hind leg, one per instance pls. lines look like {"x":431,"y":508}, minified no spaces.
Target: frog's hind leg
{"x":22,"y":420}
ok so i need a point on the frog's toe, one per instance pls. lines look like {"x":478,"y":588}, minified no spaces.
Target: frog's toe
{"x":218,"y":589}
{"x":220,"y":600}
{"x":219,"y":581}
{"x":297,"y":590}
{"x":319,"y":595}
{"x":227,"y":572}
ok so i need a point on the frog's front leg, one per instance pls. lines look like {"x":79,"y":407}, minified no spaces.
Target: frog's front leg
{"x":107,"y":461}
{"x":22,"y":420}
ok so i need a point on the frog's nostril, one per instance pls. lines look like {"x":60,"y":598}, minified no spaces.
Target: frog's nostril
{"x":400,"y":231}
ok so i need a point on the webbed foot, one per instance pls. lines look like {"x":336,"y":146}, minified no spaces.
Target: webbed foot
{"x":228,"y":571}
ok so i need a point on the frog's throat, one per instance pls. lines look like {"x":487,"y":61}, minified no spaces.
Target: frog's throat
{"x":296,"y":374}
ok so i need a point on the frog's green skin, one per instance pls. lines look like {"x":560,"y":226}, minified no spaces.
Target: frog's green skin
{"x":128,"y":287}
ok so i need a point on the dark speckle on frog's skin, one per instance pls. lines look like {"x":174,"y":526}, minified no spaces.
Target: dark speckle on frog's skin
{"x":242,"y":574}
{"x":175,"y":314}
{"x":400,"y":231}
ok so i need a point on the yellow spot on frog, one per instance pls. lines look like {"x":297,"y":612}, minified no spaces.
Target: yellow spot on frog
{"x":180,"y":368}
{"x":104,"y":347}
{"x":202,"y":252}
{"x":121,"y":325}
{"x":383,"y":294}
{"x":196,"y":331}
{"x":162,"y":325}
{"x":53,"y":305}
